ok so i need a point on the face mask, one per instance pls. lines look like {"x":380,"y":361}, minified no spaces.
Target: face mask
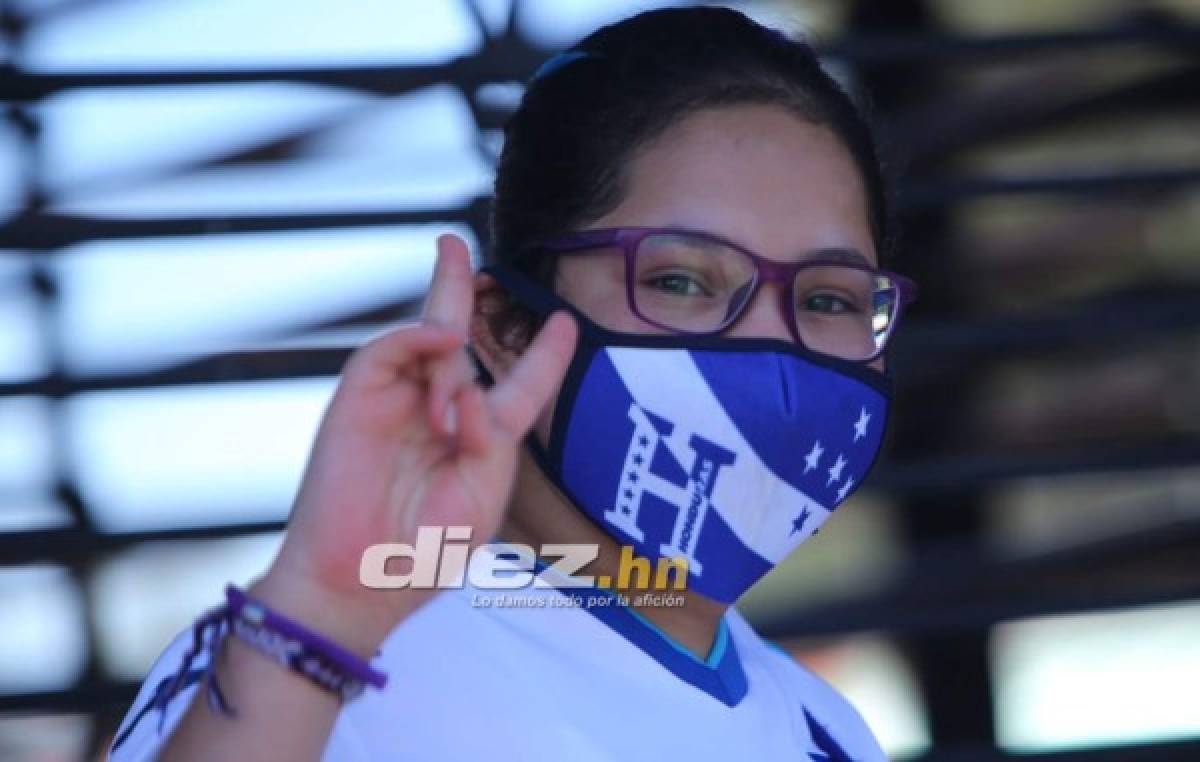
{"x":726,"y":452}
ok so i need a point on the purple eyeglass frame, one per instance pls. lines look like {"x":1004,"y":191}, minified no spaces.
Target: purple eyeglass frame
{"x":766,"y":270}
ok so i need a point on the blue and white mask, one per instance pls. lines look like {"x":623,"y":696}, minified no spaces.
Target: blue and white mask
{"x":726,"y":452}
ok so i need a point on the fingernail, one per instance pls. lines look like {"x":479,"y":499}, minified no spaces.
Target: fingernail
{"x":450,"y":419}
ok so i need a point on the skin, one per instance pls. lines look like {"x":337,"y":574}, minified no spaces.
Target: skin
{"x":756,"y":175}
{"x":410,"y":439}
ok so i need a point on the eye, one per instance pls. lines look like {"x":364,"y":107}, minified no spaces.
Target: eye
{"x":827,"y":303}
{"x":678,"y":284}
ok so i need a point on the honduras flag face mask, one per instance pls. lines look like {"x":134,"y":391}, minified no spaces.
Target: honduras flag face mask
{"x":725,"y":452}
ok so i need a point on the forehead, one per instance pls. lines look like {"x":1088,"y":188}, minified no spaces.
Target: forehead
{"x":756,"y":174}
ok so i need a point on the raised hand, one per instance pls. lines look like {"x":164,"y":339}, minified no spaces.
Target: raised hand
{"x":408,"y":440}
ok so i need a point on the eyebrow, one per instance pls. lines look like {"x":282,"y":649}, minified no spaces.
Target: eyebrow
{"x":839,"y":254}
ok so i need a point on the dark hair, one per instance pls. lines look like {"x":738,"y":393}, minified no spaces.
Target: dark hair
{"x":583,"y":117}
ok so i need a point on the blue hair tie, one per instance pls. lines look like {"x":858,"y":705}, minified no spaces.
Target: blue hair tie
{"x":559,"y":60}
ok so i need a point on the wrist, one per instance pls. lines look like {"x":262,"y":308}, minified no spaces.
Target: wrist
{"x":354,"y":625}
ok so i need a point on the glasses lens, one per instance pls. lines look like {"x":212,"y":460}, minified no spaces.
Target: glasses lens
{"x":844,"y":311}
{"x":694,"y":284}
{"x":690,"y":283}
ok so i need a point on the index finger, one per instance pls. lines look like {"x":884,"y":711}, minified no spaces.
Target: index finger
{"x":451,"y":294}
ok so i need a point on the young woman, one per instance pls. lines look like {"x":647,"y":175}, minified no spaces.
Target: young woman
{"x":677,"y":351}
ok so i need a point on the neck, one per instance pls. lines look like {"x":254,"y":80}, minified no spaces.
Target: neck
{"x":539,"y":514}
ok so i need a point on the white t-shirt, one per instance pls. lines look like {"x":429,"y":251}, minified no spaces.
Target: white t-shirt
{"x":549,"y":674}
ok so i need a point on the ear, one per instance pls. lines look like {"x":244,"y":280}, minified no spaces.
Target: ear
{"x":489,"y":350}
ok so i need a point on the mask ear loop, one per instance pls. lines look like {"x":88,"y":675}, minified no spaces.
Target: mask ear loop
{"x":542,"y":302}
{"x":485,"y":377}
{"x":536,"y":449}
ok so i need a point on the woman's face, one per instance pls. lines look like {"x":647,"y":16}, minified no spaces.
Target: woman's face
{"x":756,"y":175}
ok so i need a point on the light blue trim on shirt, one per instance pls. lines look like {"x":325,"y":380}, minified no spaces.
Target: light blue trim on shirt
{"x":720,"y":675}
{"x":715,"y":653}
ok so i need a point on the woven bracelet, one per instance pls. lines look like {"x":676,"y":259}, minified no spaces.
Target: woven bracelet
{"x":329,"y":666}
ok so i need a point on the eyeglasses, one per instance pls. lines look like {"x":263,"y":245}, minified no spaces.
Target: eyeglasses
{"x":695,"y":283}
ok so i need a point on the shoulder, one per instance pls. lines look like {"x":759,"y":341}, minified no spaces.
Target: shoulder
{"x":485,"y":633}
{"x":829,"y":717}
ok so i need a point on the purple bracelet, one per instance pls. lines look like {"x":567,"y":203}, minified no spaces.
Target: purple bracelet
{"x":319,"y":659}
{"x":325,"y":663}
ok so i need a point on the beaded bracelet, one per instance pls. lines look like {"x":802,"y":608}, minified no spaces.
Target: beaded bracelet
{"x":315,"y":657}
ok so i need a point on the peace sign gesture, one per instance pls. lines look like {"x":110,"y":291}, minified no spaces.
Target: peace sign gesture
{"x":409,"y":439}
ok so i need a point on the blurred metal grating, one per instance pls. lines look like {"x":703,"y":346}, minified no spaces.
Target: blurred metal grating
{"x":938,"y":114}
